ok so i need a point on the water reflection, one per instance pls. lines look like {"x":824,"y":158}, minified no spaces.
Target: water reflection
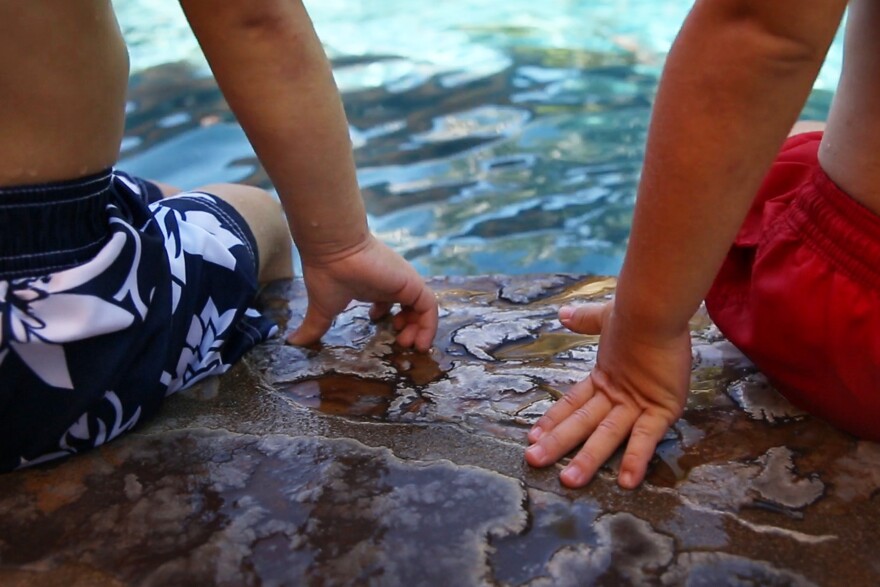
{"x":480,"y":149}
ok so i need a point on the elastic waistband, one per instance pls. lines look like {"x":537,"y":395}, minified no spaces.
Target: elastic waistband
{"x":842,"y":230}
{"x":51,"y":226}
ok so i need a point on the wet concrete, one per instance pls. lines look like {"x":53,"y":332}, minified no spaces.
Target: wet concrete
{"x":359,"y":463}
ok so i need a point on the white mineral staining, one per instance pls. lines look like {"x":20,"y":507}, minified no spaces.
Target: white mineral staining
{"x":358,"y":347}
{"x":719,"y":486}
{"x":475,"y":394}
{"x":761,"y":402}
{"x":708,"y":569}
{"x":688,"y":435}
{"x":281,"y":507}
{"x":555,"y":523}
{"x":132,"y":487}
{"x":768,"y":480}
{"x":401,"y":406}
{"x":585,"y":356}
{"x":718,"y":353}
{"x":495,"y":328}
{"x":478,"y":382}
{"x":672,"y":446}
{"x":533,"y":410}
{"x":778,"y":482}
{"x":523,"y":290}
{"x":695,"y":529}
{"x":857,"y":474}
{"x":627,"y":549}
{"x":393,"y":514}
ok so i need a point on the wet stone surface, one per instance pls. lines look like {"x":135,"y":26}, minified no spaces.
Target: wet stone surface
{"x":359,"y":463}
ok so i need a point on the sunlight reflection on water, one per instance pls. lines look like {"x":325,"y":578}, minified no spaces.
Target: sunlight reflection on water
{"x":490,"y":137}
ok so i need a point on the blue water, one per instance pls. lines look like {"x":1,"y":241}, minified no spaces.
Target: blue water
{"x":490,"y":137}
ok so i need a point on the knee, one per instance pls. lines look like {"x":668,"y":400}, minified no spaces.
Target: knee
{"x":266,"y":220}
{"x":260,"y":209}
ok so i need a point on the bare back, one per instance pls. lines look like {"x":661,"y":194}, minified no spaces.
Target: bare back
{"x":850,"y":151}
{"x":63,"y":78}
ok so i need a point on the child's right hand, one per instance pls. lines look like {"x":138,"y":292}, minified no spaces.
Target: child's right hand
{"x":636,"y":390}
{"x":371,"y":272}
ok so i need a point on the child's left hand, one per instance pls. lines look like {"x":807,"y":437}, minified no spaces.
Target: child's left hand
{"x":637,"y":390}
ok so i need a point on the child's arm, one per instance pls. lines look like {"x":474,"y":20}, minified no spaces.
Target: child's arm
{"x":273,"y":72}
{"x":733,"y":85}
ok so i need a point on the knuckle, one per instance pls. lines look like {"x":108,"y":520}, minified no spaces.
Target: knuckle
{"x":551,"y":441}
{"x":609,"y":426}
{"x":586,"y":460}
{"x":631,"y":459}
{"x":571,"y":400}
{"x":584,"y":416}
{"x":641,"y":431}
{"x":546,"y":423}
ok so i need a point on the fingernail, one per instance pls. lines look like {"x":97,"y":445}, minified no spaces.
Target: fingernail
{"x":625,"y":480}
{"x":536,"y":433}
{"x":537,"y":453}
{"x":566,"y":312}
{"x":573,"y":476}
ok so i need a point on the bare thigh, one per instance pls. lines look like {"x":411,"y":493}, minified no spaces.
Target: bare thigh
{"x":263,"y":215}
{"x":166,"y":189}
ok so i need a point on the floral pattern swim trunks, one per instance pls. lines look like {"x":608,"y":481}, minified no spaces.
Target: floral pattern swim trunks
{"x":111,"y":299}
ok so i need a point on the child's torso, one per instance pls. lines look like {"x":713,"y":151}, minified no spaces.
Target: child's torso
{"x":63,"y":79}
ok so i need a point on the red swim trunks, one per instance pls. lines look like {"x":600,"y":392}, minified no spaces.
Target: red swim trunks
{"x":799,"y":292}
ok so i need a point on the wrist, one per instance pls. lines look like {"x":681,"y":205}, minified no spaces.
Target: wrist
{"x":326,"y":251}
{"x":651,"y":317}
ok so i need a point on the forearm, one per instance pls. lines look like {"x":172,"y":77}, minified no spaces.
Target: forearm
{"x":273,"y":72}
{"x":733,"y":85}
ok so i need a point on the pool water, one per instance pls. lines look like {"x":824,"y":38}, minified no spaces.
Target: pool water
{"x":490,"y":137}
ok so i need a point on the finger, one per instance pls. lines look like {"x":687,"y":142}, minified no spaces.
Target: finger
{"x":579,"y":394}
{"x":425,"y":337}
{"x":401,"y":319}
{"x":407,"y":336}
{"x":646,"y":435}
{"x":423,"y":313}
{"x":586,"y":319}
{"x":379,"y":310}
{"x":414,"y":335}
{"x":313,"y":327}
{"x":609,"y":435}
{"x":425,"y":301}
{"x":570,"y":433}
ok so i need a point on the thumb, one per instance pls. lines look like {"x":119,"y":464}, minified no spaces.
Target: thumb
{"x":313,"y":327}
{"x":586,"y":319}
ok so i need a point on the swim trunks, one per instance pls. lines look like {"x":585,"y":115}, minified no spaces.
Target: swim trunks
{"x":799,"y":292}
{"x":111,"y":299}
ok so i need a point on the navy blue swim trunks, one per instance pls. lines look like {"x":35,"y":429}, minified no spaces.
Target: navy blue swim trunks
{"x":111,"y":299}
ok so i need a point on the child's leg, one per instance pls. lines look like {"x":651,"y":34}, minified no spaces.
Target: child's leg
{"x":166,"y":189}
{"x":266,"y":219}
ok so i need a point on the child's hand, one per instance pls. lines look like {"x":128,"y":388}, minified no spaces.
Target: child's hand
{"x":370,"y":273}
{"x":637,"y":390}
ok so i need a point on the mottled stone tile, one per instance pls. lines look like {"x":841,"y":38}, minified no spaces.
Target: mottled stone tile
{"x":207,"y":507}
{"x":358,"y":462}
